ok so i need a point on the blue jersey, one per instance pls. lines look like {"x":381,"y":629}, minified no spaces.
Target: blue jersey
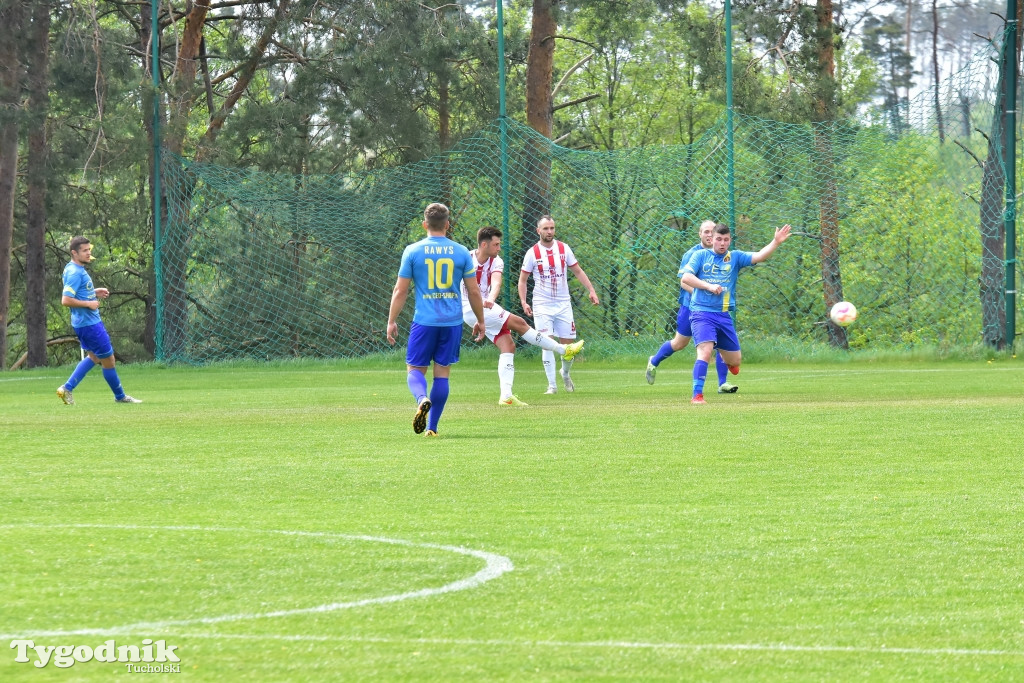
{"x":437,"y":266}
{"x":717,"y":269}
{"x":78,"y":285}
{"x":684,"y":296}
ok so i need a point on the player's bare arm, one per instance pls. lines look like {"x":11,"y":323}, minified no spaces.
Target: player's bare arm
{"x":476,"y":302}
{"x":72,"y":302}
{"x":523,"y":276}
{"x":781,"y":235}
{"x":495,"y":290}
{"x":577,"y":270}
{"x":695,"y":282}
{"x":398,"y":297}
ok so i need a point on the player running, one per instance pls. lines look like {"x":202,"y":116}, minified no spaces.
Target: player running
{"x":712,"y":274}
{"x":683,"y":330}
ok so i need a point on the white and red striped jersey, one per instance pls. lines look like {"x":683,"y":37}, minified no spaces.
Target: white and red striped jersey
{"x":483,"y":275}
{"x":550,"y":272}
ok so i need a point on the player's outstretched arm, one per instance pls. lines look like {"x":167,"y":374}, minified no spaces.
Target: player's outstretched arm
{"x":781,"y":235}
{"x":582,"y":277}
{"x":398,"y":297}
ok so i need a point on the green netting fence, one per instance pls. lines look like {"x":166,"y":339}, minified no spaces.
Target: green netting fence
{"x":894,"y":212}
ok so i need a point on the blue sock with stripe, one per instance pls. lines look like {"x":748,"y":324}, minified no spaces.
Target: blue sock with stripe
{"x":438,"y":397}
{"x":110,"y":374}
{"x":700,"y":373}
{"x":79,"y":374}
{"x":664,"y":352}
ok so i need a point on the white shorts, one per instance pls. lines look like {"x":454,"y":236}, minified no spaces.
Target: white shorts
{"x":555,"y":320}
{"x":495,"y":318}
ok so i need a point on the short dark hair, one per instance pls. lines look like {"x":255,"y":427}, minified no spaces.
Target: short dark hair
{"x":78,"y":242}
{"x":487,"y":233}
{"x":721,"y":229}
{"x":436,"y":215}
{"x":545,"y":217}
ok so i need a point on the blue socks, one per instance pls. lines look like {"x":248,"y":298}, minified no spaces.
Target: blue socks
{"x":700,"y":373}
{"x":438,"y":397}
{"x":80,"y":372}
{"x":417,"y":382}
{"x":664,"y":352}
{"x":110,"y":374}
{"x":723,"y":369}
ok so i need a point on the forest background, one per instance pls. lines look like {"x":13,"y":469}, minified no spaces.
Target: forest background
{"x":341,"y":86}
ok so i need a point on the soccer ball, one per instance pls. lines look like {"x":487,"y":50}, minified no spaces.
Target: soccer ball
{"x":843,"y":313}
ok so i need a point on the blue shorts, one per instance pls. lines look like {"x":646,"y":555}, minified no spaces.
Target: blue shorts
{"x":683,"y":322}
{"x":438,"y":344}
{"x":94,"y":338}
{"x":714,"y":327}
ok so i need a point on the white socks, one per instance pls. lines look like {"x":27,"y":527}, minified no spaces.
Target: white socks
{"x":532,"y":336}
{"x":549,"y":366}
{"x":506,"y":373}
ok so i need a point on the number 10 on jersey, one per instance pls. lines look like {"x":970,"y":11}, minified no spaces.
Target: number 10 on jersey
{"x":440,"y":274}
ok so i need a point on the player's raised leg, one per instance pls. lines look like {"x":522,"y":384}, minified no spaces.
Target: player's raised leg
{"x":724,"y":387}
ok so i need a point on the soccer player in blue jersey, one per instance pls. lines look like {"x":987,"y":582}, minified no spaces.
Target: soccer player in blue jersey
{"x":436,"y":267}
{"x":83,"y":299}
{"x":712,"y":274}
{"x":683,"y":329}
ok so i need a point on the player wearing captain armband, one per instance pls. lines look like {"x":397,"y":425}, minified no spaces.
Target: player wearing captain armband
{"x":549,"y":262}
{"x":436,"y":267}
{"x":499,"y":322}
{"x":712,"y":274}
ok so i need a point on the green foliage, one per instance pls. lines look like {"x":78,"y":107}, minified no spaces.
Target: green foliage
{"x":351,"y":91}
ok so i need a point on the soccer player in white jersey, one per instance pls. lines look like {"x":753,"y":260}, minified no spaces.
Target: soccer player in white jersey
{"x":549,"y":262}
{"x":499,"y":322}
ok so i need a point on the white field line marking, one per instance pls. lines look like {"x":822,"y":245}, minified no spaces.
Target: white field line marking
{"x":603,"y":644}
{"x":27,"y":379}
{"x":495,"y":566}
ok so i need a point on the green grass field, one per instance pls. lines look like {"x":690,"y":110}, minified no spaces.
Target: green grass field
{"x":858,"y":520}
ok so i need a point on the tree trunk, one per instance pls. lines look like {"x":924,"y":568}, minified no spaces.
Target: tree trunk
{"x":935,"y":71}
{"x":174,"y":240}
{"x":444,"y":139}
{"x":146,"y":49}
{"x":990,"y":224}
{"x":539,"y":110}
{"x":183,"y":95}
{"x":10,"y":75}
{"x":828,"y":202}
{"x":35,"y":237}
